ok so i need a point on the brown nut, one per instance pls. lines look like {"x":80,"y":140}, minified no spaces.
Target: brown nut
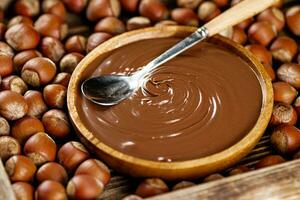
{"x":207,"y":11}
{"x":273,"y":15}
{"x":3,"y":29}
{"x":24,"y":128}
{"x":70,"y":61}
{"x":23,"y":190}
{"x":130,"y":5}
{"x":261,"y":53}
{"x":75,"y":6}
{"x":151,"y":187}
{"x":52,"y":48}
{"x":283,"y":114}
{"x":155,"y":10}
{"x":96,"y":39}
{"x":192,"y":4}
{"x":52,"y":26}
{"x":4,"y":127}
{"x":6,"y":64}
{"x":137,"y":23}
{"x":62,"y":78}
{"x":19,"y":19}
{"x":165,"y":23}
{"x":221,"y":3}
{"x":9,"y":147}
{"x":246,"y":23}
{"x":284,"y":49}
{"x":36,"y":103}
{"x":269,"y":161}
{"x":98,"y":9}
{"x":286,"y":139}
{"x":84,"y":187}
{"x":28,"y":8}
{"x":54,"y":7}
{"x":292,"y":18}
{"x":55,"y":95}
{"x":12,"y":105}
{"x":76,"y":43}
{"x":38,"y":71}
{"x":111,"y":25}
{"x":20,"y":168}
{"x":14,"y":83}
{"x":95,"y":168}
{"x":270,"y":71}
{"x":239,"y":35}
{"x":284,"y":92}
{"x":6,"y":49}
{"x":290,"y":73}
{"x":52,"y":171}
{"x":71,"y":154}
{"x":49,"y":190}
{"x":185,"y":16}
{"x":182,"y":185}
{"x":56,"y":123}
{"x":40,"y":148}
{"x":212,"y":177}
{"x":21,"y":58}
{"x":22,"y":37}
{"x":262,"y":33}
{"x":239,"y":170}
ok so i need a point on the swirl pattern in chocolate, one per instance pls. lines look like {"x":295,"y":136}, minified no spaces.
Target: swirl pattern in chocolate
{"x":200,"y":103}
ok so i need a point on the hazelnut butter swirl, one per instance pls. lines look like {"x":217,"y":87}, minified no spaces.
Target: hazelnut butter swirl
{"x":199,"y":103}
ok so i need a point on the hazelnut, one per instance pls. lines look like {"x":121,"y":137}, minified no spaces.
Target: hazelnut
{"x":286,"y":139}
{"x":3,"y":29}
{"x":54,"y":7}
{"x":56,"y":123}
{"x":283,"y":114}
{"x":185,"y":16}
{"x":40,"y":148}
{"x":28,"y":8}
{"x":4,"y":127}
{"x":192,"y":4}
{"x":52,"y":26}
{"x":182,"y":185}
{"x":212,"y":177}
{"x":239,"y":170}
{"x":19,"y":19}
{"x":71,"y":154}
{"x":76,"y":43}
{"x":269,"y":161}
{"x":151,"y":187}
{"x":62,"y":78}
{"x":22,"y":37}
{"x":14,"y":83}
{"x":290,"y":73}
{"x":52,"y":48}
{"x":284,"y":49}
{"x":132,"y":197}
{"x":75,"y":6}
{"x":137,"y":23}
{"x":207,"y":11}
{"x":239,"y":35}
{"x":6,"y":64}
{"x":165,"y":23}
{"x":262,"y":33}
{"x":292,"y":18}
{"x":12,"y":105}
{"x":155,"y":10}
{"x":130,"y":5}
{"x":38,"y":71}
{"x":55,"y":95}
{"x":273,"y":15}
{"x":221,"y":3}
{"x":36,"y":103}
{"x":246,"y":23}
{"x":261,"y":53}
{"x":9,"y":147}
{"x":70,"y":61}
{"x":21,"y":58}
{"x":84,"y":187}
{"x":20,"y":168}
{"x":297,"y":105}
{"x":96,"y":39}
{"x":284,"y":92}
{"x":6,"y":49}
{"x":52,"y":171}
{"x":24,"y":128}
{"x":111,"y":25}
{"x":98,"y":9}
{"x":49,"y":190}
{"x":23,"y":190}
{"x":95,"y":168}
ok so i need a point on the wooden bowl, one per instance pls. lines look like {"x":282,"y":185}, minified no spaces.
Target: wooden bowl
{"x":174,"y":170}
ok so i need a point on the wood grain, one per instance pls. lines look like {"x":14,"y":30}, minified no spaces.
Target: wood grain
{"x":6,"y":191}
{"x":277,"y":182}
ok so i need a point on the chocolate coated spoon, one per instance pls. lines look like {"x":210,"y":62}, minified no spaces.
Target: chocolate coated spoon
{"x":109,"y":90}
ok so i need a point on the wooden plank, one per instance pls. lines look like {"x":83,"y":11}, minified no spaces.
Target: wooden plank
{"x":277,"y":182}
{"x":6,"y":191}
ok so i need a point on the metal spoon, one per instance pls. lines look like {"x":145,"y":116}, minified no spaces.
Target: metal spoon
{"x":111,"y":89}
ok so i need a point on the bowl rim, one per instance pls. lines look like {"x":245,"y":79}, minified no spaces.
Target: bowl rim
{"x":225,"y":157}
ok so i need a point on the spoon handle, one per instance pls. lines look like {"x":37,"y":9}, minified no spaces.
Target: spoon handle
{"x":233,"y":16}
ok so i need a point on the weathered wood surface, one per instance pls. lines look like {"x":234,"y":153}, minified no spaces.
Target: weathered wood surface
{"x":277,"y":182}
{"x":5,"y":187}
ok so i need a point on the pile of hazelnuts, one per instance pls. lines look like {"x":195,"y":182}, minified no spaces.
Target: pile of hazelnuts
{"x":39,"y":50}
